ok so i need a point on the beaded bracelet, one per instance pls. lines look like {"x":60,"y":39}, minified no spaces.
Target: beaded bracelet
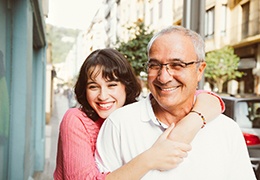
{"x":202,"y":117}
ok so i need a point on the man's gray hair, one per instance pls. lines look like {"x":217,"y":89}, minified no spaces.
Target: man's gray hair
{"x":198,"y":42}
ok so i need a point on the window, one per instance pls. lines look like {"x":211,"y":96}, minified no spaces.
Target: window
{"x":209,"y":22}
{"x":223,"y":24}
{"x":160,"y":8}
{"x":245,"y":19}
{"x":151,"y":15}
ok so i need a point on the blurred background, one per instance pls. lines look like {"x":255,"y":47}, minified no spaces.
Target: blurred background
{"x":44,"y":42}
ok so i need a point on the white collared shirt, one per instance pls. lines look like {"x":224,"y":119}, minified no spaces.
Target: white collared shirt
{"x":218,"y":150}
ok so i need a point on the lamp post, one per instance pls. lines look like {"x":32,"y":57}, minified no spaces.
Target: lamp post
{"x":194,"y":19}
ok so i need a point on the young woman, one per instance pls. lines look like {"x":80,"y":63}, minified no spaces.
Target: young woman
{"x":106,"y":82}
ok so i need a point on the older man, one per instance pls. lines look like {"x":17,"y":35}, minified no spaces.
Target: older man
{"x":175,"y":66}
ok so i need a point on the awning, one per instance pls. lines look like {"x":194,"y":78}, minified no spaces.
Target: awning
{"x":247,"y":63}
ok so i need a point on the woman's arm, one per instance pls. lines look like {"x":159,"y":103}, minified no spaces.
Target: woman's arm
{"x":75,"y":151}
{"x":165,"y":154}
{"x":75,"y":158}
{"x":168,"y":151}
{"x":210,"y":105}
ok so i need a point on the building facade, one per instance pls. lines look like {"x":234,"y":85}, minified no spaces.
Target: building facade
{"x":236,"y":23}
{"x":22,"y":88}
{"x":226,"y":22}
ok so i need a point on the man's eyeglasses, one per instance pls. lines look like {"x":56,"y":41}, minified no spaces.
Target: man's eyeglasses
{"x":153,"y":68}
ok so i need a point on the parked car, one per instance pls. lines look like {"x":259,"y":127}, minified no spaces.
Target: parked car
{"x":245,"y":110}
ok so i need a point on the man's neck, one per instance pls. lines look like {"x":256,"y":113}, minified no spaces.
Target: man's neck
{"x":172,"y":114}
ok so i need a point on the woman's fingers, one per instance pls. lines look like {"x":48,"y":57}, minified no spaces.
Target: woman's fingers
{"x":166,"y":133}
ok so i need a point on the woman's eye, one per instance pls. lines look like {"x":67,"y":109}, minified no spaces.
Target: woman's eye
{"x":112,"y":85}
{"x":92,"y":87}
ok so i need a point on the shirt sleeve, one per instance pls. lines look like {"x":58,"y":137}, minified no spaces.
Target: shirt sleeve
{"x":75,"y":158}
{"x":222,"y":104}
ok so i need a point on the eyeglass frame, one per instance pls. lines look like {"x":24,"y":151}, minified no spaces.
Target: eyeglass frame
{"x":181,"y":64}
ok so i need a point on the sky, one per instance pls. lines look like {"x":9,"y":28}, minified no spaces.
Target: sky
{"x":74,"y":14}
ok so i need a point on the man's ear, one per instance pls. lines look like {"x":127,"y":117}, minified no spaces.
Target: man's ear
{"x":201,"y":69}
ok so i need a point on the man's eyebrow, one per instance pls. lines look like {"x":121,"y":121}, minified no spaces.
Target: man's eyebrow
{"x":152,"y":59}
{"x":172,"y":59}
{"x":175,"y":59}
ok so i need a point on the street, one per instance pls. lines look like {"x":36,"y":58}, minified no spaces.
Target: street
{"x":51,"y":134}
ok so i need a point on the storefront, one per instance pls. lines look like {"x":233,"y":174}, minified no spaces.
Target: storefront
{"x":22,"y":89}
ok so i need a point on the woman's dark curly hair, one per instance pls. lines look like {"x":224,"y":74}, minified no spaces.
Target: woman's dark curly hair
{"x":113,"y":66}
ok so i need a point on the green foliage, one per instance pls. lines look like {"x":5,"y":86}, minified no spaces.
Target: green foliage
{"x":62,"y":40}
{"x":135,"y":48}
{"x":222,"y":66}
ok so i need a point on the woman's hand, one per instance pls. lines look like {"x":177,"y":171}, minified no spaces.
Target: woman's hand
{"x":166,"y":154}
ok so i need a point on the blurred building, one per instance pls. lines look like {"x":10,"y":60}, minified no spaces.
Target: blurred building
{"x":226,"y":22}
{"x":22,"y":88}
{"x":49,"y":89}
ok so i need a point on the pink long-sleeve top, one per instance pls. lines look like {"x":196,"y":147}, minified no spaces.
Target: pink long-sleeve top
{"x":78,"y":134}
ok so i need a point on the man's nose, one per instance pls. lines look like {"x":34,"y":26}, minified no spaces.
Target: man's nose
{"x":163,"y":75}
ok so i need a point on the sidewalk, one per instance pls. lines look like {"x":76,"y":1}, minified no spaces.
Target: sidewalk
{"x":51,"y":135}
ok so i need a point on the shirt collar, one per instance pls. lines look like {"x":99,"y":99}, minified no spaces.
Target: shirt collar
{"x":147,"y":113}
